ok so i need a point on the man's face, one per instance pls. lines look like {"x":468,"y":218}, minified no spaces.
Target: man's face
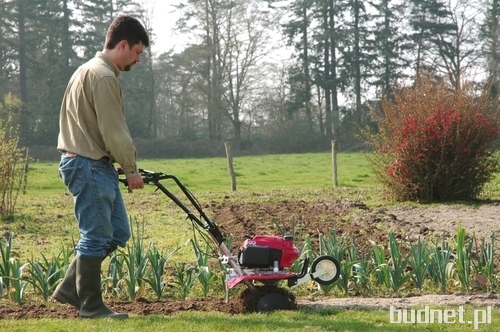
{"x":130,"y":55}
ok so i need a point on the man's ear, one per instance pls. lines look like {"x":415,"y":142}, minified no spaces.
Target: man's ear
{"x":122,"y":44}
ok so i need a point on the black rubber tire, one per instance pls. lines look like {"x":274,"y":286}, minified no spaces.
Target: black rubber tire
{"x":332,"y":266}
{"x":274,"y":301}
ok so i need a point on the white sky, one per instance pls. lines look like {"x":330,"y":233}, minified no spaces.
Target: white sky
{"x":163,"y":22}
{"x":163,"y":18}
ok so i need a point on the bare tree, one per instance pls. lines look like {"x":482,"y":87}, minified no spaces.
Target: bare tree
{"x":235,"y":37}
{"x":247,"y":45}
{"x":456,"y":49}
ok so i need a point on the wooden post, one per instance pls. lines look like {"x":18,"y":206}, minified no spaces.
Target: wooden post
{"x":26,"y":167}
{"x":230,"y":167}
{"x":334,"y":164}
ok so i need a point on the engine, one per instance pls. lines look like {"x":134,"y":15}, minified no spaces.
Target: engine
{"x":268,"y":252}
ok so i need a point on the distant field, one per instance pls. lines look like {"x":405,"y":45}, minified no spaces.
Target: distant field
{"x":290,"y":171}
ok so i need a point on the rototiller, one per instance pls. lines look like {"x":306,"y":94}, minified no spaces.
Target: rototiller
{"x":261,"y":258}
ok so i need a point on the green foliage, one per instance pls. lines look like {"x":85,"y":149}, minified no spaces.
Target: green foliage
{"x":436,"y":144}
{"x":156,"y":275}
{"x":338,"y":248}
{"x":17,"y":282}
{"x":485,"y":265}
{"x":5,"y":252}
{"x":137,"y":267}
{"x":135,"y":261}
{"x":399,"y":262}
{"x":441,"y":265}
{"x":116,"y":273}
{"x":361,"y":269}
{"x":43,"y":275}
{"x":381,"y":265}
{"x":205,"y":273}
{"x":419,"y":263}
{"x":463,"y":259}
{"x":185,"y":276}
{"x":306,"y":250}
{"x":428,"y":264}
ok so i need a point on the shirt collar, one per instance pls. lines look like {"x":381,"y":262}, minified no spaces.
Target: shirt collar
{"x":110,"y":63}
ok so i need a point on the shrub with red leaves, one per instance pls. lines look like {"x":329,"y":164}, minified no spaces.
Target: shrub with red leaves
{"x":436,"y":144}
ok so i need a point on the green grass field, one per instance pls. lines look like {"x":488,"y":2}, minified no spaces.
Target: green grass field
{"x":295,"y":171}
{"x":44,"y":223}
{"x":285,"y":321}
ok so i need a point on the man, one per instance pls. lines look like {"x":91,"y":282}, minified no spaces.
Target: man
{"x":93,"y":135}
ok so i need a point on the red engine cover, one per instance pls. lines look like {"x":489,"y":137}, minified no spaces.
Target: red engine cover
{"x":289,"y":251}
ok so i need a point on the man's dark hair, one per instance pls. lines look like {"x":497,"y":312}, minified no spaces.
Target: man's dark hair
{"x":126,"y":28}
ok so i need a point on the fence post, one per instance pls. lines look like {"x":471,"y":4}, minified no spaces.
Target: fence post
{"x":230,"y":167}
{"x":334,"y":164}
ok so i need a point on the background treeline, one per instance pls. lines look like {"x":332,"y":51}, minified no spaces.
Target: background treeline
{"x":267,"y":77}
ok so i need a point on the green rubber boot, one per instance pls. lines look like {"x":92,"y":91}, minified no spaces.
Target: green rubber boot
{"x":88,"y":285}
{"x":66,"y":291}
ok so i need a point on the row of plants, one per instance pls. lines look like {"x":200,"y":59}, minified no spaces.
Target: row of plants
{"x":464,"y":263}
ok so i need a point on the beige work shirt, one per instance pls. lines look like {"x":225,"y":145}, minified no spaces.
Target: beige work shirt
{"x":92,"y":120}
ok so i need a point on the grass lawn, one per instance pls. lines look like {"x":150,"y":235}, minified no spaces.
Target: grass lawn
{"x":284,"y":321}
{"x":294,"y":171}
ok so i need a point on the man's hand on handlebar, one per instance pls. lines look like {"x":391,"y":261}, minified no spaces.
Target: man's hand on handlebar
{"x":135,"y":182}
{"x":138,"y":180}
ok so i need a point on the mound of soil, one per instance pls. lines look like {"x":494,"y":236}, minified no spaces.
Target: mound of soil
{"x":245,"y":302}
{"x":347,"y":218}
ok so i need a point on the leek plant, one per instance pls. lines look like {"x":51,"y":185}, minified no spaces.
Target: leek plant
{"x":306,"y":250}
{"x":135,"y":264}
{"x":155,"y":277}
{"x":338,"y":248}
{"x":381,"y":266}
{"x":295,"y":229}
{"x":397,"y":275}
{"x":5,"y":251}
{"x":135,"y":267}
{"x":205,"y":274}
{"x":115,"y":273}
{"x":44,"y":275}
{"x":184,"y":279}
{"x":361,"y":268}
{"x":419,"y":261}
{"x":17,"y":283}
{"x":463,"y":259}
{"x":440,"y":267}
{"x":485,"y":265}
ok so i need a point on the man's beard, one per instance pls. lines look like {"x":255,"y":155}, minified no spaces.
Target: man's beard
{"x":127,"y":68}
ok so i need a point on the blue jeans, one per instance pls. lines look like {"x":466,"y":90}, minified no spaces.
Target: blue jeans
{"x":99,"y":209}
